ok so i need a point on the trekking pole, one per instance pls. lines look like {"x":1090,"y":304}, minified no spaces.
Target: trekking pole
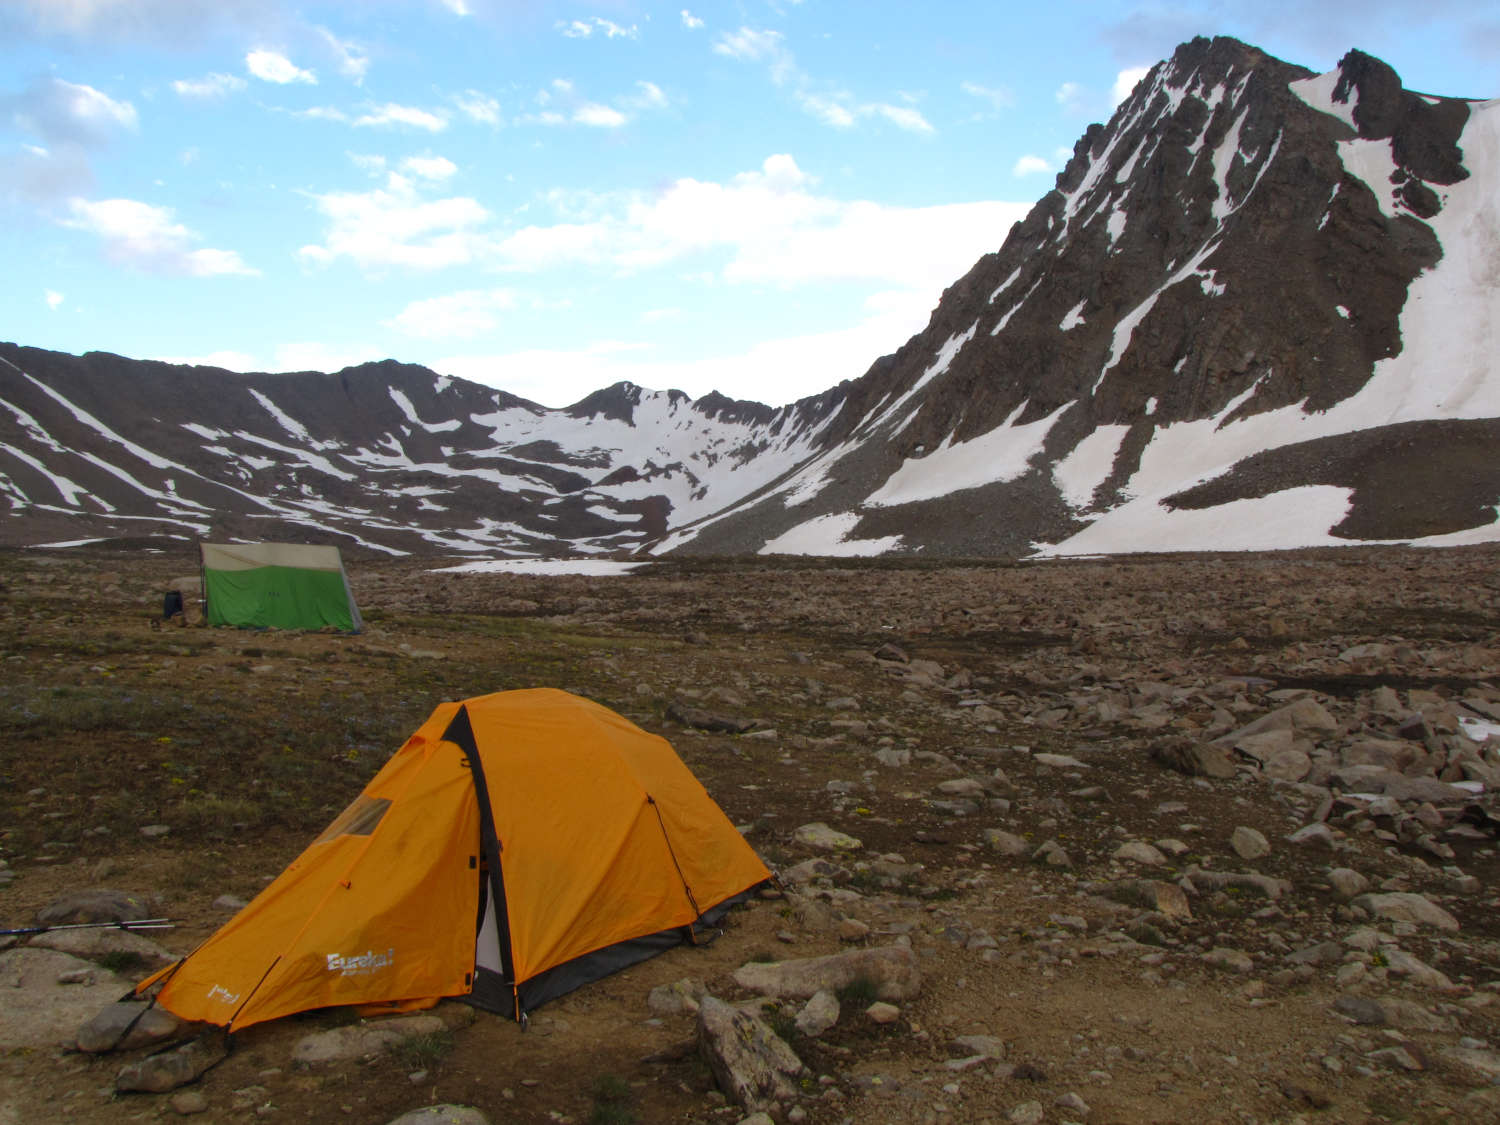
{"x":143,"y":924}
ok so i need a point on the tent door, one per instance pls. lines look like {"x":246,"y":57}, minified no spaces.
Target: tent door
{"x":487,"y":943}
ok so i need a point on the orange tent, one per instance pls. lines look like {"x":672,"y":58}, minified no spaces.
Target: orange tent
{"x":519,"y":845}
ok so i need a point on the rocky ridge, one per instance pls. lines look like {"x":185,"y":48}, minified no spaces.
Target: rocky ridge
{"x":1253,"y":312}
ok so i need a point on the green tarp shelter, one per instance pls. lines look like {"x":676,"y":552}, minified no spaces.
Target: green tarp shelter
{"x":277,"y":586}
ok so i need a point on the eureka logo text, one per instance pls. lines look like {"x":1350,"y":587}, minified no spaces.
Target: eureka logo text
{"x":360,"y":964}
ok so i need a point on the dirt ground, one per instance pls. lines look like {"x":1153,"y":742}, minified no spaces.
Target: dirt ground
{"x":245,"y":744}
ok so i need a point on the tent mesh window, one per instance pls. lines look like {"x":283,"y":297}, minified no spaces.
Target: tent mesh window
{"x":359,"y":819}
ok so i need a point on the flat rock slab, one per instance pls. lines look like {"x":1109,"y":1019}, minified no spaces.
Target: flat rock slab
{"x":97,"y":905}
{"x":39,"y":1011}
{"x":358,"y":1041}
{"x":819,"y":835}
{"x":96,"y":943}
{"x":892,"y":969}
{"x":443,"y":1115}
{"x":1405,"y":907}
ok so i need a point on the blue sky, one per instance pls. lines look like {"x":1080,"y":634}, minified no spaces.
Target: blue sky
{"x":758,"y":197}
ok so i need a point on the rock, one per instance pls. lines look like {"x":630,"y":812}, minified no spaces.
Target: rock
{"x":1195,"y":759}
{"x":1317,"y":834}
{"x":818,"y":1014}
{"x":1027,"y":1113}
{"x":1136,"y":851}
{"x":357,"y":1041}
{"x":1248,"y":843}
{"x":699,"y":719}
{"x":99,"y":905}
{"x":1235,"y":960}
{"x":158,"y":1073}
{"x":1399,"y":963}
{"x":1324,"y":953}
{"x":852,"y":929}
{"x":1166,"y":899}
{"x":751,"y":1063}
{"x":126,"y":1025}
{"x":883,"y":1013}
{"x":1059,"y":761}
{"x":1347,"y":883}
{"x":961,"y":787}
{"x":1396,"y":1058}
{"x":1203,"y":880}
{"x":986,"y":1046}
{"x":94,"y":944}
{"x":1006,"y":843}
{"x":35,"y":1010}
{"x":818,"y":835}
{"x":1406,"y":907}
{"x":443,"y":1115}
{"x":893,"y":757}
{"x":1486,"y":1063}
{"x":891,"y":968}
{"x":1360,"y":1009}
{"x":676,"y":998}
{"x":811,"y":869}
{"x":185,"y":1103}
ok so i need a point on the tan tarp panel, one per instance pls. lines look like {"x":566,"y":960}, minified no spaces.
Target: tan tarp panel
{"x":604,"y":837}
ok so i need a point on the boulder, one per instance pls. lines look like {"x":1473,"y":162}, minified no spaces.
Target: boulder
{"x":126,"y":1025}
{"x":166,"y":1070}
{"x":751,"y":1063}
{"x":1407,"y":907}
{"x":818,"y":1014}
{"x":96,"y":905}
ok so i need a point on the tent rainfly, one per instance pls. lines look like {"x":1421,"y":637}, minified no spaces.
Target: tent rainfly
{"x":277,"y":585}
{"x":518,"y":845}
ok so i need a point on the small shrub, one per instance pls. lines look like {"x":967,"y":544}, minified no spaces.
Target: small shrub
{"x":611,"y":1102}
{"x":860,"y":992}
{"x":422,"y":1052}
{"x":122,"y":961}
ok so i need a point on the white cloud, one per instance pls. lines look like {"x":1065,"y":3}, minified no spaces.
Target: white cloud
{"x":584,"y":29}
{"x":395,"y":226}
{"x":997,"y":98}
{"x":53,"y":298}
{"x":599,"y":116}
{"x":353,"y":60}
{"x":478,"y":107}
{"x":322,"y":113}
{"x":213,"y":85}
{"x":272,"y":66}
{"x":648,"y":96}
{"x":750,"y":45}
{"x":690,"y":21}
{"x":833,"y":107}
{"x":1030,"y":165}
{"x":765,"y":226}
{"x":1070,"y":95}
{"x":430,"y":167}
{"x":1125,"y":82}
{"x":902,"y":116}
{"x":63,"y":112}
{"x":774,"y":371}
{"x":462,"y":315}
{"x":147,"y":238}
{"x":393,"y":114}
{"x":457,"y":7}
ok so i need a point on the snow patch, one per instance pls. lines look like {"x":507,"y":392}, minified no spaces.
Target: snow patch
{"x":828,"y":535}
{"x":1002,"y":454}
